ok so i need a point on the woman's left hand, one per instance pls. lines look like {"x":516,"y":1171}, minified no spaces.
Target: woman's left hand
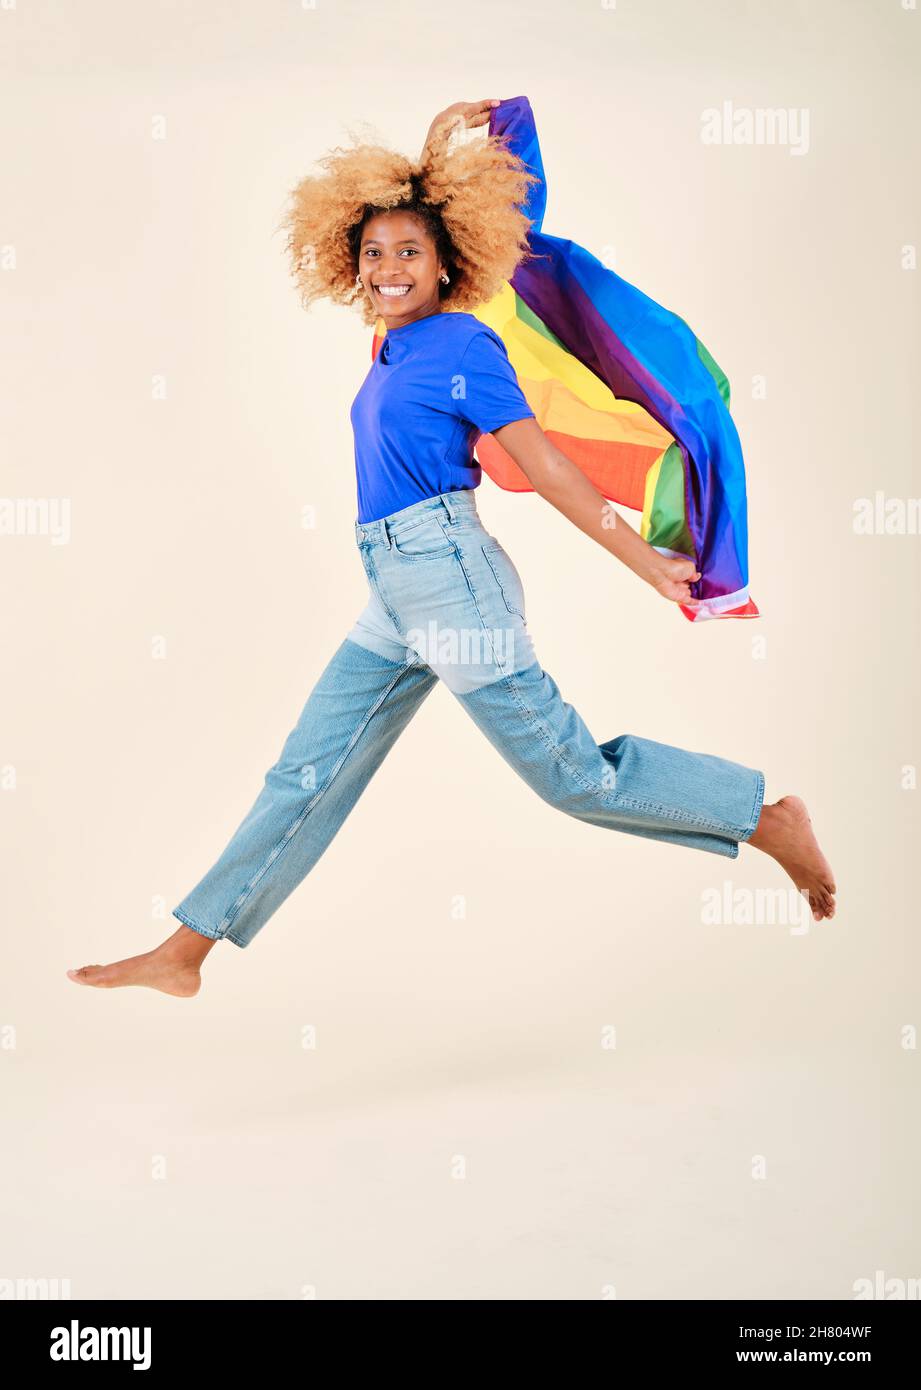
{"x":470,"y":113}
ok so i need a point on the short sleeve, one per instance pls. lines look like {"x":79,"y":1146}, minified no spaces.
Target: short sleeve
{"x":490,"y":396}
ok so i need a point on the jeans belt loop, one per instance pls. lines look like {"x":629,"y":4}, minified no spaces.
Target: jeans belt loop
{"x":449,"y":508}
{"x":385,"y":533}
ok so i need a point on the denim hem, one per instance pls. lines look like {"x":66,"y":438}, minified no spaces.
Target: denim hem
{"x":679,"y":818}
{"x":756,"y":809}
{"x":196,"y":926}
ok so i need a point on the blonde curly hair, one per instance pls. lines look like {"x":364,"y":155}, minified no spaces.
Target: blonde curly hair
{"x":467,"y":196}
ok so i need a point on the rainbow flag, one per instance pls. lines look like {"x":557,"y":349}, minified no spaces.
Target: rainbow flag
{"x":625,"y":390}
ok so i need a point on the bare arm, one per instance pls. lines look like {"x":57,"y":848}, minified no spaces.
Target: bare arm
{"x":557,"y":479}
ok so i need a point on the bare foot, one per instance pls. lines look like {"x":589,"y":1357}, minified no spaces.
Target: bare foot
{"x":174,"y":967}
{"x":785,"y":832}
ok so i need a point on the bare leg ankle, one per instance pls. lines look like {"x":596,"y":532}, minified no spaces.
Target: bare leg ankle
{"x":188,"y":943}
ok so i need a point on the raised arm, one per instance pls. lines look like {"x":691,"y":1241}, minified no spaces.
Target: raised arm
{"x":469,"y":113}
{"x":566,"y":487}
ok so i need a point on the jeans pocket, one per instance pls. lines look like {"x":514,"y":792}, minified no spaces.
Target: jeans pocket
{"x":424,"y":540}
{"x":507,"y":577}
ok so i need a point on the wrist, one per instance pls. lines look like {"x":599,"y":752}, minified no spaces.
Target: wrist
{"x":651,"y":567}
{"x":639,"y":556}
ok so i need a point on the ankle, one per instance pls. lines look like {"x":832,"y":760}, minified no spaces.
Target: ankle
{"x":187,"y":945}
{"x":764,"y":830}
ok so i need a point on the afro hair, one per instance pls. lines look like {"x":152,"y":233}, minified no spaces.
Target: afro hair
{"x":468,"y":196}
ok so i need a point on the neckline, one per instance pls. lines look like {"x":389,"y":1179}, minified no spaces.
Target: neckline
{"x":439,"y":313}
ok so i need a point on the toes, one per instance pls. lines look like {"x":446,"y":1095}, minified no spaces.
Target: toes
{"x":82,"y":976}
{"x":822,"y":906}
{"x":822,"y":901}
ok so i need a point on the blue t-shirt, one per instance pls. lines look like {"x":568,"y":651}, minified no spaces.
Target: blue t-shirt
{"x":434,"y":387}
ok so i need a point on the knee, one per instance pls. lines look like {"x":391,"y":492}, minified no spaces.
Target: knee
{"x":566,"y":791}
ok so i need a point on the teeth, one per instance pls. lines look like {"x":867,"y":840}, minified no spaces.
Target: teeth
{"x":392,"y":291}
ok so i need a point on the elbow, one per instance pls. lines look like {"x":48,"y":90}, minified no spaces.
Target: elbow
{"x":544,"y":466}
{"x":549,"y":477}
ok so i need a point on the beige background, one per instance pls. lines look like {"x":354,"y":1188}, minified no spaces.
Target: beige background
{"x":168,"y":1148}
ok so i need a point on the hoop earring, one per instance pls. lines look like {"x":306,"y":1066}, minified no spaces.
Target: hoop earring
{"x":445,"y":278}
{"x":358,"y":281}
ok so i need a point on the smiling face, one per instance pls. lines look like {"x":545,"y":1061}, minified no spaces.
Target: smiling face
{"x":400,"y":268}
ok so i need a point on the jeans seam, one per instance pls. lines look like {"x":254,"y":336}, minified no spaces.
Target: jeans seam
{"x":429,"y":555}
{"x":448,"y":547}
{"x":460,"y":559}
{"x":550,"y":742}
{"x":493,"y":547}
{"x":683,"y":817}
{"x":302,"y":815}
{"x":377,"y":587}
{"x":530,"y":715}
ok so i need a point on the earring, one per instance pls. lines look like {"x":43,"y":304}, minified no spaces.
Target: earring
{"x":358,"y":280}
{"x":445,"y":278}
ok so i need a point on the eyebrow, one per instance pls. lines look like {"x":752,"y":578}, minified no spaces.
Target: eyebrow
{"x":407,"y":241}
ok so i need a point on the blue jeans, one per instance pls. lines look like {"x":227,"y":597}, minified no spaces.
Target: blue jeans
{"x":446,"y":603}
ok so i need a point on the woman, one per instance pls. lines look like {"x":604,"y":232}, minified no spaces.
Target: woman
{"x":419,"y":246}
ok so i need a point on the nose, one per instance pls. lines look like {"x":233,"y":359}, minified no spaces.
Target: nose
{"x":390,"y":268}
